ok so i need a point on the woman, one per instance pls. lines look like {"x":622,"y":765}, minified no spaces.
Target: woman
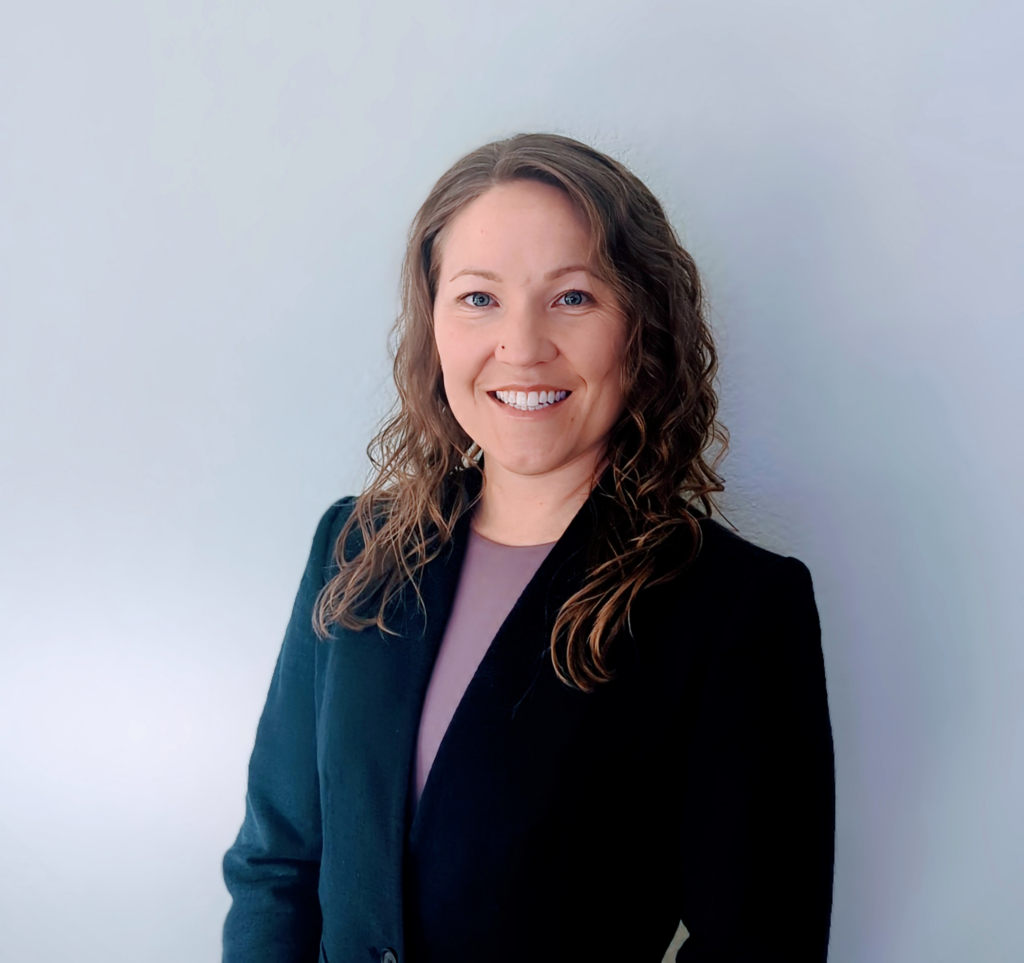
{"x":533,"y":703}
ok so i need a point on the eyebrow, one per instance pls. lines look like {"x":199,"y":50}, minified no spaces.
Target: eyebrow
{"x":550,"y":276}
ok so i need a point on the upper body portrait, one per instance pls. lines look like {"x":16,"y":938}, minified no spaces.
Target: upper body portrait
{"x":534,"y":702}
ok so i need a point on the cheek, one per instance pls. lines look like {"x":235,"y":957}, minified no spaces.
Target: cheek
{"x":447,"y":349}
{"x":601,"y":356}
{"x":440,"y":339}
{"x":456,"y":357}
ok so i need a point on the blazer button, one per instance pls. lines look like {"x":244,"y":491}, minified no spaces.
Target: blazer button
{"x":389,"y":956}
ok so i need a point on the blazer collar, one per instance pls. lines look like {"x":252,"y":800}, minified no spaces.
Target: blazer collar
{"x":520,"y":647}
{"x":374,"y":687}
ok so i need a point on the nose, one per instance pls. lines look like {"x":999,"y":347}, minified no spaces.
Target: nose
{"x":523,"y":338}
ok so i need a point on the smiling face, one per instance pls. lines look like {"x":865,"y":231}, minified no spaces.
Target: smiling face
{"x":530,"y":340}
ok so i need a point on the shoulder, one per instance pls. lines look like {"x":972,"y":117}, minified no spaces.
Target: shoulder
{"x":765,"y":603}
{"x":334,"y":518}
{"x":751,"y":614}
{"x":328,"y":529}
{"x":730,"y":566}
{"x":726,"y":550}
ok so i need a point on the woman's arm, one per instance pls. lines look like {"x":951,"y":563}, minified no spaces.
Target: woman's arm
{"x":273,"y":868}
{"x":759,"y":799}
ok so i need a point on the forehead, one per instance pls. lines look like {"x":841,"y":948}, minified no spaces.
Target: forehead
{"x":522,"y":221}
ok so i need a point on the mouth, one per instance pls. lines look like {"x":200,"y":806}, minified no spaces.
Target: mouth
{"x":529,"y":400}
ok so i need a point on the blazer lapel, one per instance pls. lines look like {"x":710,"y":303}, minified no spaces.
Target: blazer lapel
{"x":512,"y":664}
{"x":371,"y":693}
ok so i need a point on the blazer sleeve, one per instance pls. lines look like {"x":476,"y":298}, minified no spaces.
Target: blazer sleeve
{"x":758,"y":810}
{"x":272,"y":870}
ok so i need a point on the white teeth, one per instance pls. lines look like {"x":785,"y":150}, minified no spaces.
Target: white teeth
{"x":530,"y":401}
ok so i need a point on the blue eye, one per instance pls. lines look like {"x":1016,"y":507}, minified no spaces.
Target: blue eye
{"x":478,"y":299}
{"x":574,"y":298}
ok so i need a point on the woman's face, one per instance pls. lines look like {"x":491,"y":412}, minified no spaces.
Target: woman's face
{"x":520,"y":316}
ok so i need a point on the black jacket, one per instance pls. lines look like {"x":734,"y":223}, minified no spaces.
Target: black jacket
{"x":554,"y":825}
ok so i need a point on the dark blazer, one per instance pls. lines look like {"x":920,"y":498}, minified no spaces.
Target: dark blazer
{"x":554,"y":825}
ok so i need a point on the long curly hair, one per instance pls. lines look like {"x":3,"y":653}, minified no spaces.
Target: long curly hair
{"x":659,"y":451}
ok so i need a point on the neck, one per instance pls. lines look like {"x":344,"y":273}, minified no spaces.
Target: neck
{"x":517,"y":509}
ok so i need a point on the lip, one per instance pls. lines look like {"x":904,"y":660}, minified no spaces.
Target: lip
{"x":527,"y":388}
{"x":546,"y":412}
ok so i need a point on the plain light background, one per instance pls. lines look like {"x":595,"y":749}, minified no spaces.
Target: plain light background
{"x":203,"y":208}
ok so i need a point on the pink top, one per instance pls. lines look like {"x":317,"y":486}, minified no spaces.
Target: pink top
{"x":492,"y":578}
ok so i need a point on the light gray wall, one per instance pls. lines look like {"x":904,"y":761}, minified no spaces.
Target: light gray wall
{"x":202,"y":214}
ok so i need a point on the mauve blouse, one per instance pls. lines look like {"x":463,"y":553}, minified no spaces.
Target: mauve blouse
{"x":492,"y":578}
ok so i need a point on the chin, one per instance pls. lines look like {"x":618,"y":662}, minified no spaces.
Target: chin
{"x":522,"y":463}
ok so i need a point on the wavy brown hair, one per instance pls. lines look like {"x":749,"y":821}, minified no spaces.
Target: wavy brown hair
{"x":659,"y":450}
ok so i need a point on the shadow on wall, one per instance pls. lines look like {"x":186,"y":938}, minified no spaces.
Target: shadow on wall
{"x":843,"y":432}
